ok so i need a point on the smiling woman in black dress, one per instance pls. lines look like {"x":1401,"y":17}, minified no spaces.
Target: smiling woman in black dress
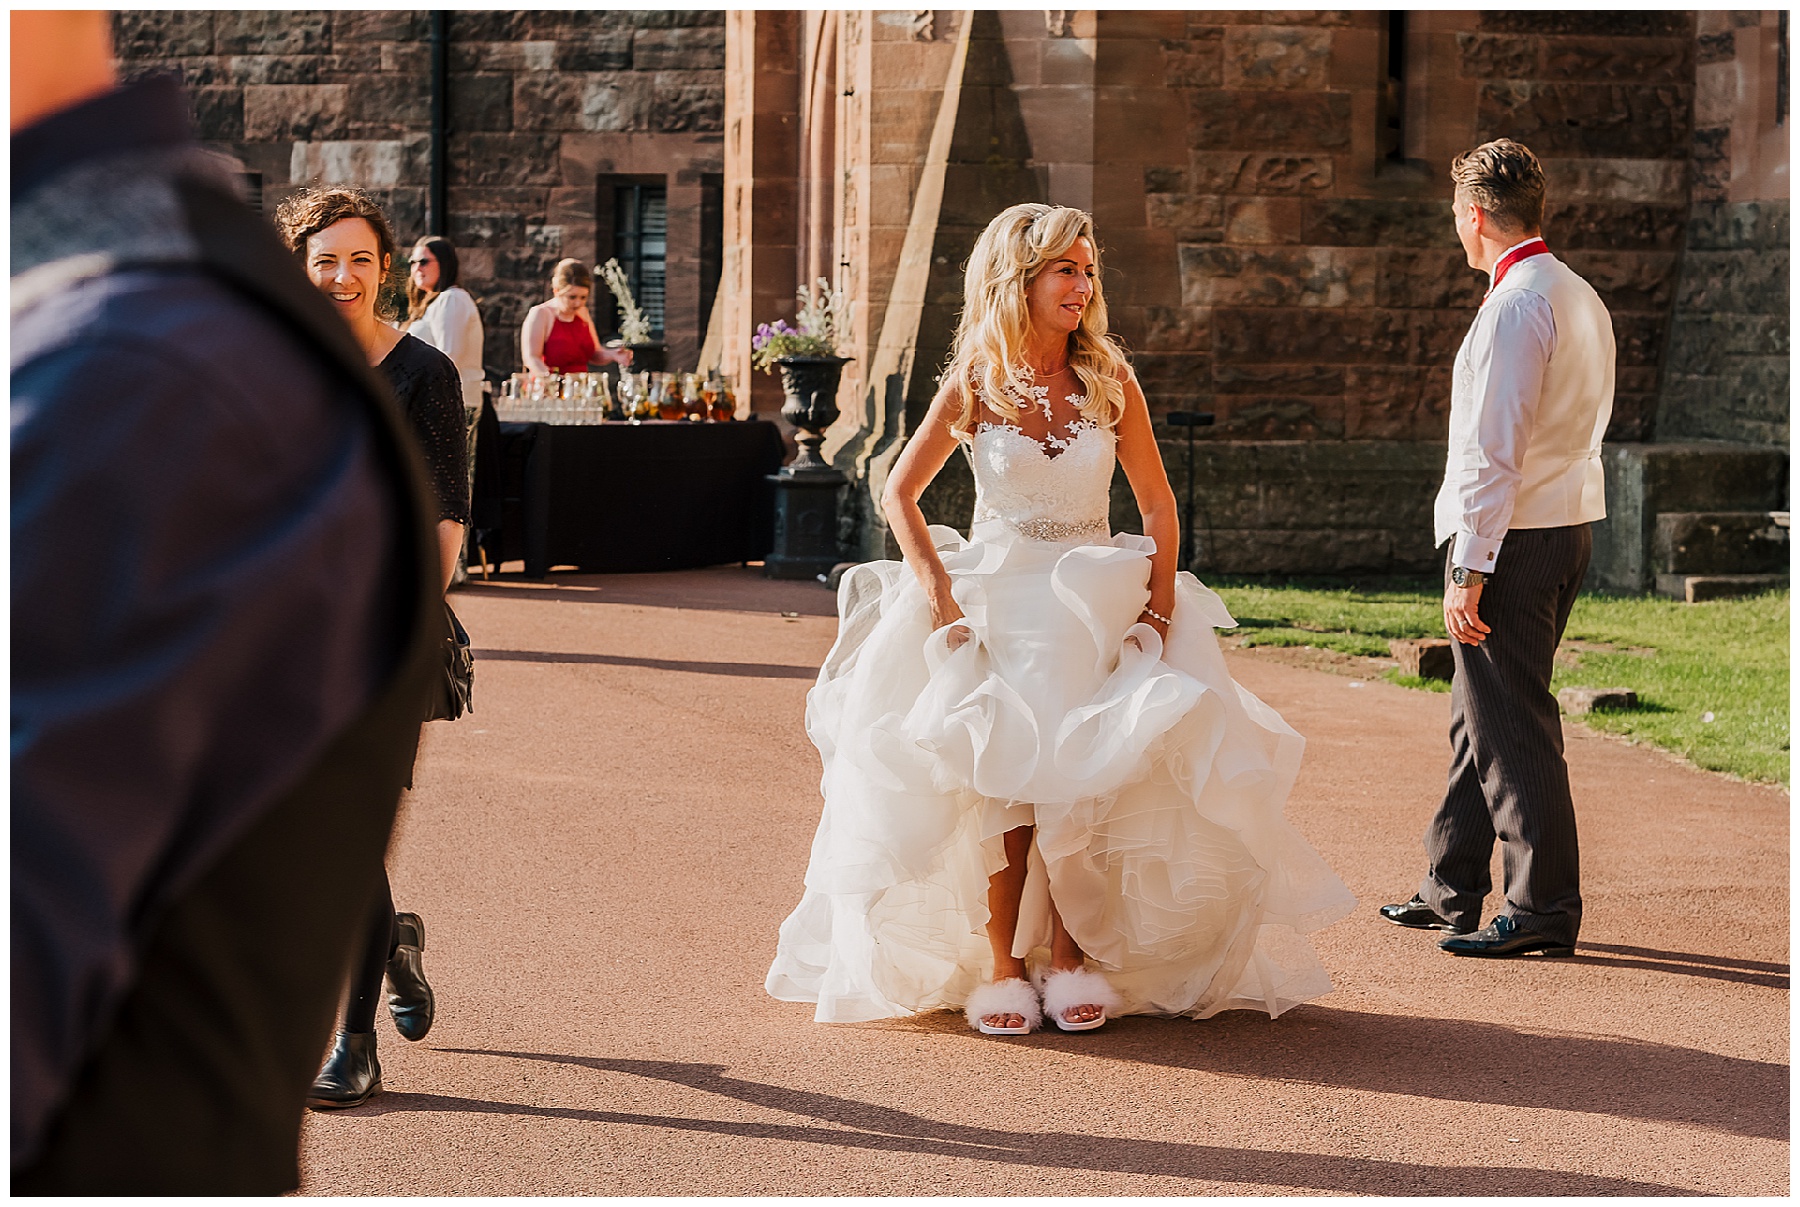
{"x":347,"y":247}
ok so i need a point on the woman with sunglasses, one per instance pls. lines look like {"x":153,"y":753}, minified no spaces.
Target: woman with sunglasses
{"x":441,"y":312}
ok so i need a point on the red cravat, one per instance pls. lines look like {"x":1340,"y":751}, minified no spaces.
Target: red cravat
{"x":1523,"y":251}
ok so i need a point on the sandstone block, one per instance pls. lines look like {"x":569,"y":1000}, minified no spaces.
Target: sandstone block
{"x":506,"y":160}
{"x":1438,"y":334}
{"x":1497,"y":56}
{"x":688,"y":101}
{"x":1175,"y":329}
{"x":1301,"y":379}
{"x":296,"y":112}
{"x":1639,"y":338}
{"x":1601,"y":23}
{"x":369,"y":164}
{"x":1263,"y":220}
{"x":1612,"y":226}
{"x":271,"y":31}
{"x":1424,"y":657}
{"x":1634,"y":60}
{"x":1195,"y":61}
{"x":1269,"y":120}
{"x":1727,"y":542}
{"x":1396,"y":402}
{"x":271,"y":69}
{"x":487,"y":25}
{"x":1762,"y":225}
{"x":1624,"y":120}
{"x":162,"y":34}
{"x":218,"y":113}
{"x":1310,"y":276}
{"x":481,"y":102}
{"x":380,"y":25}
{"x":388,"y":105}
{"x":1253,"y":417}
{"x":1428,"y":278}
{"x":1628,"y":280}
{"x":1165,"y":180}
{"x":1703,"y":588}
{"x":1187,"y":215}
{"x":1373,"y":222}
{"x":1287,"y":174}
{"x":1658,"y":181}
{"x":1719,"y":47}
{"x":1579,"y":701}
{"x":605,"y":51}
{"x":1271,"y":334}
{"x":679,"y":49}
{"x":1268,"y":56}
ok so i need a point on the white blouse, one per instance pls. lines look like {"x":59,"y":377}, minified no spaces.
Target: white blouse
{"x":452,"y":325}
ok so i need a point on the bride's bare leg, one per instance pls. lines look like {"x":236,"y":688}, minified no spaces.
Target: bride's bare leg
{"x":1005,"y":887}
{"x":1065,"y":956}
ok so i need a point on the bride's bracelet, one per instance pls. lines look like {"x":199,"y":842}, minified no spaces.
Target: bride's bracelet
{"x":1153,"y":614}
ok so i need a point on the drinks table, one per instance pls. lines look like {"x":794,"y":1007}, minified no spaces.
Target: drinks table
{"x":630,"y":497}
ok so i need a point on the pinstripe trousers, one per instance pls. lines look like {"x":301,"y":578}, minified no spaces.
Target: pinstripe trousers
{"x":1508,"y":780}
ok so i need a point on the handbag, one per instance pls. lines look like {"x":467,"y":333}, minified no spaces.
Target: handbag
{"x":453,"y":689}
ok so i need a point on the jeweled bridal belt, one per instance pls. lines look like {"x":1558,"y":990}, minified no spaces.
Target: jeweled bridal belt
{"x":1044,"y":529}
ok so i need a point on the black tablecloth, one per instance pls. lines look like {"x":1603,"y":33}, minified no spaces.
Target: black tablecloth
{"x":625,"y":497}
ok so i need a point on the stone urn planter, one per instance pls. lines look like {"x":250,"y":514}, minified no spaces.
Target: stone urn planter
{"x":811,"y":385}
{"x":807,"y":490}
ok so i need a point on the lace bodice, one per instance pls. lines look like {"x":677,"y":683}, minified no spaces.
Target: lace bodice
{"x":1048,"y":492}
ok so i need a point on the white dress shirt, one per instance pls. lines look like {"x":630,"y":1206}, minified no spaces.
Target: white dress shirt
{"x":1530,"y":398}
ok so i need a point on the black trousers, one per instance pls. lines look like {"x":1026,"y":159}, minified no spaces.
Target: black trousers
{"x":200,"y":1085}
{"x":1508,"y":779}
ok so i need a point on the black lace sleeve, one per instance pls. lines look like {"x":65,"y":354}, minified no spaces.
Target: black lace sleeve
{"x":430,"y":391}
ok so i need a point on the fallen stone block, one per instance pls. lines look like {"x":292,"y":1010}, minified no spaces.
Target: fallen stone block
{"x":1424,"y":657}
{"x":1577,"y":701}
{"x":1700,"y":588}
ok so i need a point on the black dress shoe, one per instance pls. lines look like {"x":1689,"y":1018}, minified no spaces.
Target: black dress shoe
{"x":1419,"y":916}
{"x":409,"y":997}
{"x":351,"y":1073}
{"x":1504,"y":937}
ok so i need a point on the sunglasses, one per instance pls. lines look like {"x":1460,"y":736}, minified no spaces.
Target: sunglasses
{"x":416,"y":263}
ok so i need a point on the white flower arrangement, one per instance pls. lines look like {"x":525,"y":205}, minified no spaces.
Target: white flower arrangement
{"x":634,"y":328}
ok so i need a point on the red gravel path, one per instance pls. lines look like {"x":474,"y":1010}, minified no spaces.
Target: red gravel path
{"x":602,"y":854}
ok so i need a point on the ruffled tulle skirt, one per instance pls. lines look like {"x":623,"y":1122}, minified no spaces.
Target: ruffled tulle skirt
{"x":1156,"y":785}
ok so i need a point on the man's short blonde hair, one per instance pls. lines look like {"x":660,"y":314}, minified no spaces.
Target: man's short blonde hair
{"x":1504,"y":178}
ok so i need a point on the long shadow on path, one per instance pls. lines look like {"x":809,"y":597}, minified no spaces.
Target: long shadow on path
{"x":853,"y":1124}
{"x":1459,"y":1060}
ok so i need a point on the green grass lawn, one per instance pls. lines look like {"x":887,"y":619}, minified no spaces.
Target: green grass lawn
{"x":1727,"y":660}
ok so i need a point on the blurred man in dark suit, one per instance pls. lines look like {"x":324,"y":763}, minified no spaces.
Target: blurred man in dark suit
{"x":224,"y":595}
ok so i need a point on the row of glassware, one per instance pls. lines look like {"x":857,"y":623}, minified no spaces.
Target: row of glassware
{"x":585,"y":398}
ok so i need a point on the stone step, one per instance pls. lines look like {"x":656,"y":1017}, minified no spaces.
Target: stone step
{"x":1698,"y":588}
{"x":1720,"y":542}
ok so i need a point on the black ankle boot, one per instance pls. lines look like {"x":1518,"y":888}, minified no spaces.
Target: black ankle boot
{"x":351,"y":1073}
{"x":409,"y":997}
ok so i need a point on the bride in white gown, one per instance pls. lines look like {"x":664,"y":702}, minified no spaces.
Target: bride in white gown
{"x":1041,"y":783}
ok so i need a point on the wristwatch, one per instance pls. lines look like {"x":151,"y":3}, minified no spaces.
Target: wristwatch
{"x":1462,"y":576}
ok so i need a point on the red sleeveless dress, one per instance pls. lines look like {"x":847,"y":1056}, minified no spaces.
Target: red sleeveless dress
{"x":569,"y":346}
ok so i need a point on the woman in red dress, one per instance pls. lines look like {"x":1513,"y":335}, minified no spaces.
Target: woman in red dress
{"x":558,"y":335}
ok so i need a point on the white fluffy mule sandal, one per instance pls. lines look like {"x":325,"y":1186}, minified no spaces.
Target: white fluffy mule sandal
{"x":1068,"y":988}
{"x":1004,"y":997}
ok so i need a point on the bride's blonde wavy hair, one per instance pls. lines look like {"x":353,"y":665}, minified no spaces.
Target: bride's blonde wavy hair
{"x":986,"y":360}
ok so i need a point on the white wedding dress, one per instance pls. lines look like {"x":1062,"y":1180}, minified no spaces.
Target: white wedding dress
{"x":1155,"y":782}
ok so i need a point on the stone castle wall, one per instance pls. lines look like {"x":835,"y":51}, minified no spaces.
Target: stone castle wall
{"x":1727,"y":376}
{"x":542,"y":108}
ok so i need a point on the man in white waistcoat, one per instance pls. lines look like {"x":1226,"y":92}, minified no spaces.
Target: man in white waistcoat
{"x":1530,"y":398}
